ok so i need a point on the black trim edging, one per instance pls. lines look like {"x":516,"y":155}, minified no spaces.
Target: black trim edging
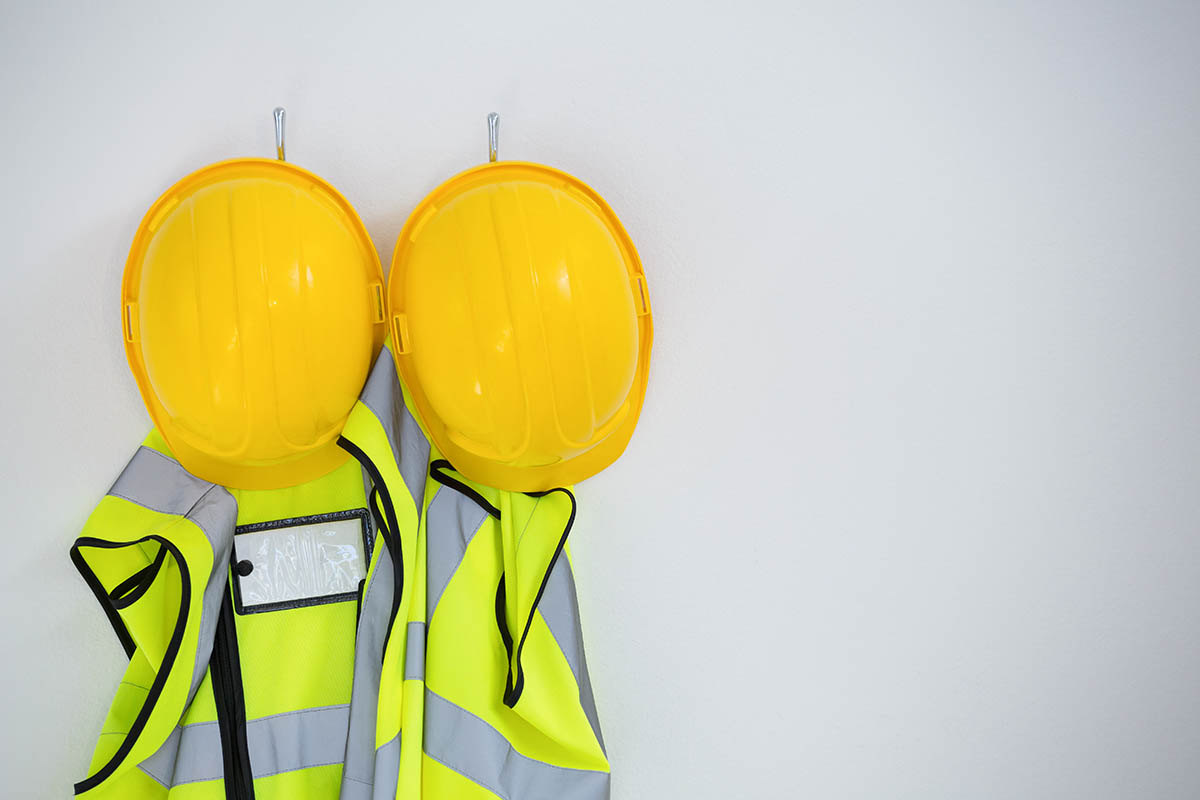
{"x":389,"y":531}
{"x":168,"y":660}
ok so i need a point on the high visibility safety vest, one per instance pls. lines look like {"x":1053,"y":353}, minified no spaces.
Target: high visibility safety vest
{"x":389,"y":630}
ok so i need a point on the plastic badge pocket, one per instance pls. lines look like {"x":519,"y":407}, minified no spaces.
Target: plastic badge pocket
{"x":304,"y":561}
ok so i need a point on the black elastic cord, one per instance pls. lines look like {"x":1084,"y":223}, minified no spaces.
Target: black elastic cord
{"x":437,"y":471}
{"x":516,"y":683}
{"x":362,"y":584}
{"x":130,"y":590}
{"x":106,"y":603}
{"x":168,"y":659}
{"x":393,"y":547}
{"x":379,"y":515}
{"x":505,"y":635}
{"x":225,"y":668}
{"x":388,"y":525}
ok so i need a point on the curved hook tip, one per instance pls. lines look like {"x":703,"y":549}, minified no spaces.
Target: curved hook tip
{"x":280,"y":114}
{"x":493,"y":120}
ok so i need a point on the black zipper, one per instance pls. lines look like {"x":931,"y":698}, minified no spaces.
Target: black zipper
{"x":231,"y":705}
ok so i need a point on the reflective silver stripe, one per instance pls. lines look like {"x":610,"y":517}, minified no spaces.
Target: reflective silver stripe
{"x":463,"y":742}
{"x":410,"y":448}
{"x":414,"y":654}
{"x":387,"y":770}
{"x":215,"y":502}
{"x":355,"y":790}
{"x":368,"y":664}
{"x":451,"y":522}
{"x":372,"y":528}
{"x":158,"y":482}
{"x":161,"y":765}
{"x":559,"y":607}
{"x":315,"y":737}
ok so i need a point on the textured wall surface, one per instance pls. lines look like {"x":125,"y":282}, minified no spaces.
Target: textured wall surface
{"x":913,"y":508}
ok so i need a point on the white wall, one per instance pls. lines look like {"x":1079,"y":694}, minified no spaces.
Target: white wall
{"x":913,"y":507}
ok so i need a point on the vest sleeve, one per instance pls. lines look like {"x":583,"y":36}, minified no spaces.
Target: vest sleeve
{"x":155,"y":554}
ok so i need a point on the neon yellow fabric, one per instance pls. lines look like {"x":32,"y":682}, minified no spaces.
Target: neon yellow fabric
{"x":318,"y":640}
{"x":466,"y":664}
{"x":150,"y":621}
{"x":291,"y":660}
{"x":363,"y":426}
{"x":443,"y":724}
{"x":466,"y":659}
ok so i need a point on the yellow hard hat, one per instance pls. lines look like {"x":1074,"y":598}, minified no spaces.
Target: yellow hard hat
{"x":521,"y":325}
{"x":252,"y":305}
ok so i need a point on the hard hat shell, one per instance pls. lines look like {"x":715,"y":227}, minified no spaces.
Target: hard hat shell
{"x":521,"y":325}
{"x":252,"y":306}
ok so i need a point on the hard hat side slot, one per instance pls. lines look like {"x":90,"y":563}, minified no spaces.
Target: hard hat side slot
{"x":130,"y":322}
{"x":377,"y":296}
{"x":400,"y":334}
{"x":641,"y":295}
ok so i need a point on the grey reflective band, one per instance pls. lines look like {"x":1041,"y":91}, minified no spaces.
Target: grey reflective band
{"x":382,"y":394}
{"x":461,"y":741}
{"x":560,"y":609}
{"x":158,"y":482}
{"x":410,"y":449}
{"x":368,"y":660}
{"x":387,"y":770}
{"x":452,"y":521}
{"x":315,"y":737}
{"x":414,"y":652}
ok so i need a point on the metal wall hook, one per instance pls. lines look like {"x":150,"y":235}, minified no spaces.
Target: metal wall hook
{"x":493,"y":136}
{"x":279,"y":115}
